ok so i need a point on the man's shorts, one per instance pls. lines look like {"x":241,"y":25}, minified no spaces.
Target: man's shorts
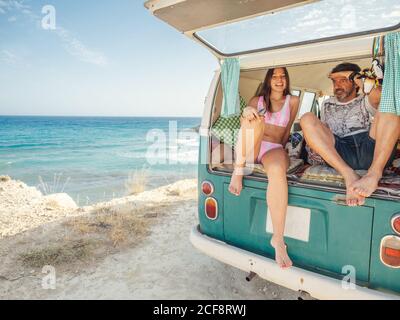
{"x":358,"y":150}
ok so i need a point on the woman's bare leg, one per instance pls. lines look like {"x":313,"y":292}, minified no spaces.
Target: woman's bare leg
{"x":276,"y":163}
{"x":247,"y":149}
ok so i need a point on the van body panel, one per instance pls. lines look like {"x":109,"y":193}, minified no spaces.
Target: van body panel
{"x":339,"y":236}
{"x":382,"y":276}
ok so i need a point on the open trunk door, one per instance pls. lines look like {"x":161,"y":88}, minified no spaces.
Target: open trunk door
{"x":246,"y":28}
{"x":193,"y":15}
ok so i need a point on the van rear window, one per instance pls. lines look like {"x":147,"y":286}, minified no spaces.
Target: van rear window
{"x":311,"y":22}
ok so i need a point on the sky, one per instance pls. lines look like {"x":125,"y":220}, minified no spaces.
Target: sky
{"x":104,"y":58}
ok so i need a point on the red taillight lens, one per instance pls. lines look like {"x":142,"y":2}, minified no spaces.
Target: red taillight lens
{"x":390,"y":251}
{"x":396,"y":223}
{"x":211,"y":208}
{"x":207,"y":188}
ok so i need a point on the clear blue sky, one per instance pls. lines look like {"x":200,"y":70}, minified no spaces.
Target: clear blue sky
{"x":105,"y":57}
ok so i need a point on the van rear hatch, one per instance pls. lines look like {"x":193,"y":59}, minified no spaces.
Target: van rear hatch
{"x":191,"y":15}
{"x":320,"y":232}
{"x":241,"y":28}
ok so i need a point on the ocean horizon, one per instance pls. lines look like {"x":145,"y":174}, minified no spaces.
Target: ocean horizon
{"x":96,"y":158}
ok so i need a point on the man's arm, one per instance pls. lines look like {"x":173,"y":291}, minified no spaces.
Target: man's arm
{"x":374,"y":97}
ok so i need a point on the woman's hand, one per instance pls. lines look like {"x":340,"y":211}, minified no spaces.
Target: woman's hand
{"x":250,"y":113}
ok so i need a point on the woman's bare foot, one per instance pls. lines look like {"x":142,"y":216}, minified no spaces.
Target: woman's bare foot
{"x":367,"y":184}
{"x":235,"y":187}
{"x":281,"y":256}
{"x":353,"y":199}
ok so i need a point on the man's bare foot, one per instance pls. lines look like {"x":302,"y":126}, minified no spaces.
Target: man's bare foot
{"x":367,"y":184}
{"x":353,"y":198}
{"x":235,"y":187}
{"x":281,"y":256}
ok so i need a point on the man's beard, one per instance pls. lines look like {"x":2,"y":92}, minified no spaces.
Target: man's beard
{"x":342,"y":95}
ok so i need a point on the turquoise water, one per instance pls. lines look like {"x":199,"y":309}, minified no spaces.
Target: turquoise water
{"x":91,"y":159}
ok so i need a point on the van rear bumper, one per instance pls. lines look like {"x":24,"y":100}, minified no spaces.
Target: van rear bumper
{"x":297,"y":279}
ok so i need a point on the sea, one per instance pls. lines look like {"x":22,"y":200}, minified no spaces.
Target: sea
{"x":95,"y":159}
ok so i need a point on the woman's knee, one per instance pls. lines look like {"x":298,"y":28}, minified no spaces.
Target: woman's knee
{"x":278,"y":165}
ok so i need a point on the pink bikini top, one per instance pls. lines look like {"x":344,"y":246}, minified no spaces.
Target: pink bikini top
{"x":280,"y":118}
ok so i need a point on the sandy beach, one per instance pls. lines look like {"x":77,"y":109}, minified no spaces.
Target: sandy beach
{"x":135,"y":247}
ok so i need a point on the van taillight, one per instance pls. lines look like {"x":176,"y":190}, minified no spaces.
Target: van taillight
{"x":211,"y":208}
{"x":207,"y":188}
{"x":396,"y":223}
{"x":390,"y":251}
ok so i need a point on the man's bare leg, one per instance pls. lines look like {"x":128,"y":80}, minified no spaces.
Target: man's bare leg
{"x":322,"y":141}
{"x":385,"y":131}
{"x":247,"y":149}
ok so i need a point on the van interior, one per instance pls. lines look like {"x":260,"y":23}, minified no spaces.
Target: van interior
{"x":310,"y":82}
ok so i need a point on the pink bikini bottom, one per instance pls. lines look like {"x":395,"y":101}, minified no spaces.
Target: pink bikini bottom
{"x":265,"y":147}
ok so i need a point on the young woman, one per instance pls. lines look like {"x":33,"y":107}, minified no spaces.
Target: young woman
{"x":265,"y":130}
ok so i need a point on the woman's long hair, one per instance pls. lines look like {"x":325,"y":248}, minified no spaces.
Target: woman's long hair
{"x":265,"y":89}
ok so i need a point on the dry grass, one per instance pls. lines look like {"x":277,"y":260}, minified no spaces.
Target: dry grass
{"x":136,"y":182}
{"x":118,"y":226}
{"x":57,"y":254}
{"x":93,"y":236}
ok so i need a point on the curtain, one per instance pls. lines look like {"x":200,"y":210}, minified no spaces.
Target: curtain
{"x":230,"y":86}
{"x":390,"y":99}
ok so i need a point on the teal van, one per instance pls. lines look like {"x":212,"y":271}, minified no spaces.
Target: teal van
{"x":339,"y":252}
